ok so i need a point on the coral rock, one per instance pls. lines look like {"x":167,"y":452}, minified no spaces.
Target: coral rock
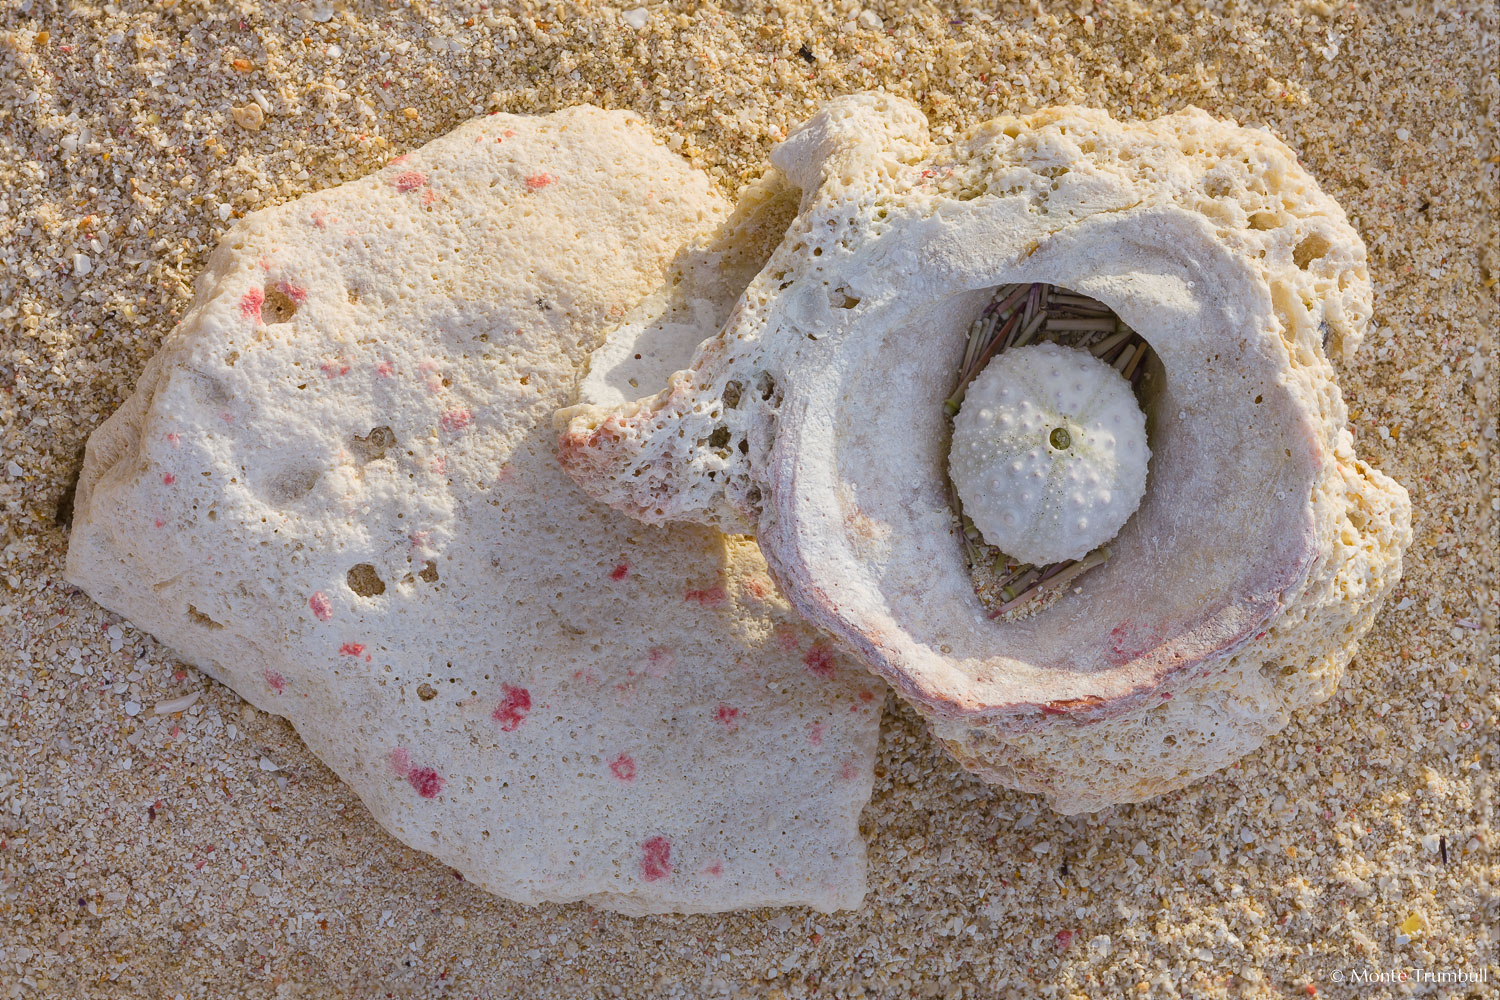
{"x":335,"y":491}
{"x":1263,"y":547}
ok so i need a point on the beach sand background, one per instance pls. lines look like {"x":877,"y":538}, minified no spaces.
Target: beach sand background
{"x":146,"y":855}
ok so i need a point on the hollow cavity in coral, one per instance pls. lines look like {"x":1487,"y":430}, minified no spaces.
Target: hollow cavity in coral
{"x":1018,"y":315}
{"x":1049,"y":453}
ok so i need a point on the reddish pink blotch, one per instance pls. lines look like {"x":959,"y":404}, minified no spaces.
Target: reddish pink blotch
{"x":159,"y":522}
{"x":335,"y":368}
{"x":846,"y":770}
{"x":619,"y":572}
{"x":819,"y":659}
{"x":169,"y":479}
{"x":296,"y":293}
{"x":539,"y":180}
{"x":716,"y":869}
{"x":727,"y":715}
{"x":174,"y":439}
{"x":352,"y":649}
{"x":815,"y":734}
{"x":1063,"y":939}
{"x":515,"y":702}
{"x":788,"y":638}
{"x":321,"y":605}
{"x":656,"y":859}
{"x":400,"y":760}
{"x":274,"y":680}
{"x":623,"y":767}
{"x":707,"y":597}
{"x":409,"y":180}
{"x":385,"y":369}
{"x":427,"y":782}
{"x":456,"y":419}
{"x":251,"y":302}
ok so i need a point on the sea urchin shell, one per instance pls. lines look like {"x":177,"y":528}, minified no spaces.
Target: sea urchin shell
{"x":1049,"y":453}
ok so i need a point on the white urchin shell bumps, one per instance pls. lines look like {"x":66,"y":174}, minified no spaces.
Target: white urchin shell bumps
{"x":1049,"y":453}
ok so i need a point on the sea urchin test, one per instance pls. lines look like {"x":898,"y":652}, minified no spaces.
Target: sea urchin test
{"x":1049,"y":453}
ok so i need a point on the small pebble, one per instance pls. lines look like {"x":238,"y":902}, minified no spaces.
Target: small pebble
{"x":249,"y":117}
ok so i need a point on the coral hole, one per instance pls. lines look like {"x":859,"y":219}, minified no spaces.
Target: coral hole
{"x":373,"y":445}
{"x":364,"y":581}
{"x":199,"y":618}
{"x":278,"y":306}
{"x":292,"y":485}
{"x":1310,"y":249}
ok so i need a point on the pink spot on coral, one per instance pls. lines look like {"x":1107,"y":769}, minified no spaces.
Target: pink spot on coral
{"x":758,"y":587}
{"x":169,"y":479}
{"x":385,"y":369}
{"x":1063,"y":939}
{"x":335,"y":368}
{"x":659,"y":661}
{"x":456,"y":420}
{"x":866,"y":695}
{"x":429,"y":197}
{"x":400,"y":760}
{"x":819,"y":659}
{"x":251,"y":302}
{"x":159,"y":522}
{"x":440,"y":464}
{"x":815,"y":734}
{"x":538,"y":181}
{"x":274,"y":680}
{"x":788,"y":638}
{"x":515,"y":702}
{"x":426,"y":781}
{"x":619,"y":572}
{"x":708,"y":597}
{"x":321,"y":605}
{"x":623,"y":767}
{"x":174,"y":439}
{"x":846,"y":770}
{"x":352,"y":649}
{"x":656,"y":859}
{"x":318,"y":218}
{"x":727,"y":716}
{"x":716,"y":869}
{"x":296,"y":293}
{"x":409,"y":180}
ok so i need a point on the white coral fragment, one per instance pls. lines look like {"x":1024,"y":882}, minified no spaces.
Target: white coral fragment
{"x":1049,"y":453}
